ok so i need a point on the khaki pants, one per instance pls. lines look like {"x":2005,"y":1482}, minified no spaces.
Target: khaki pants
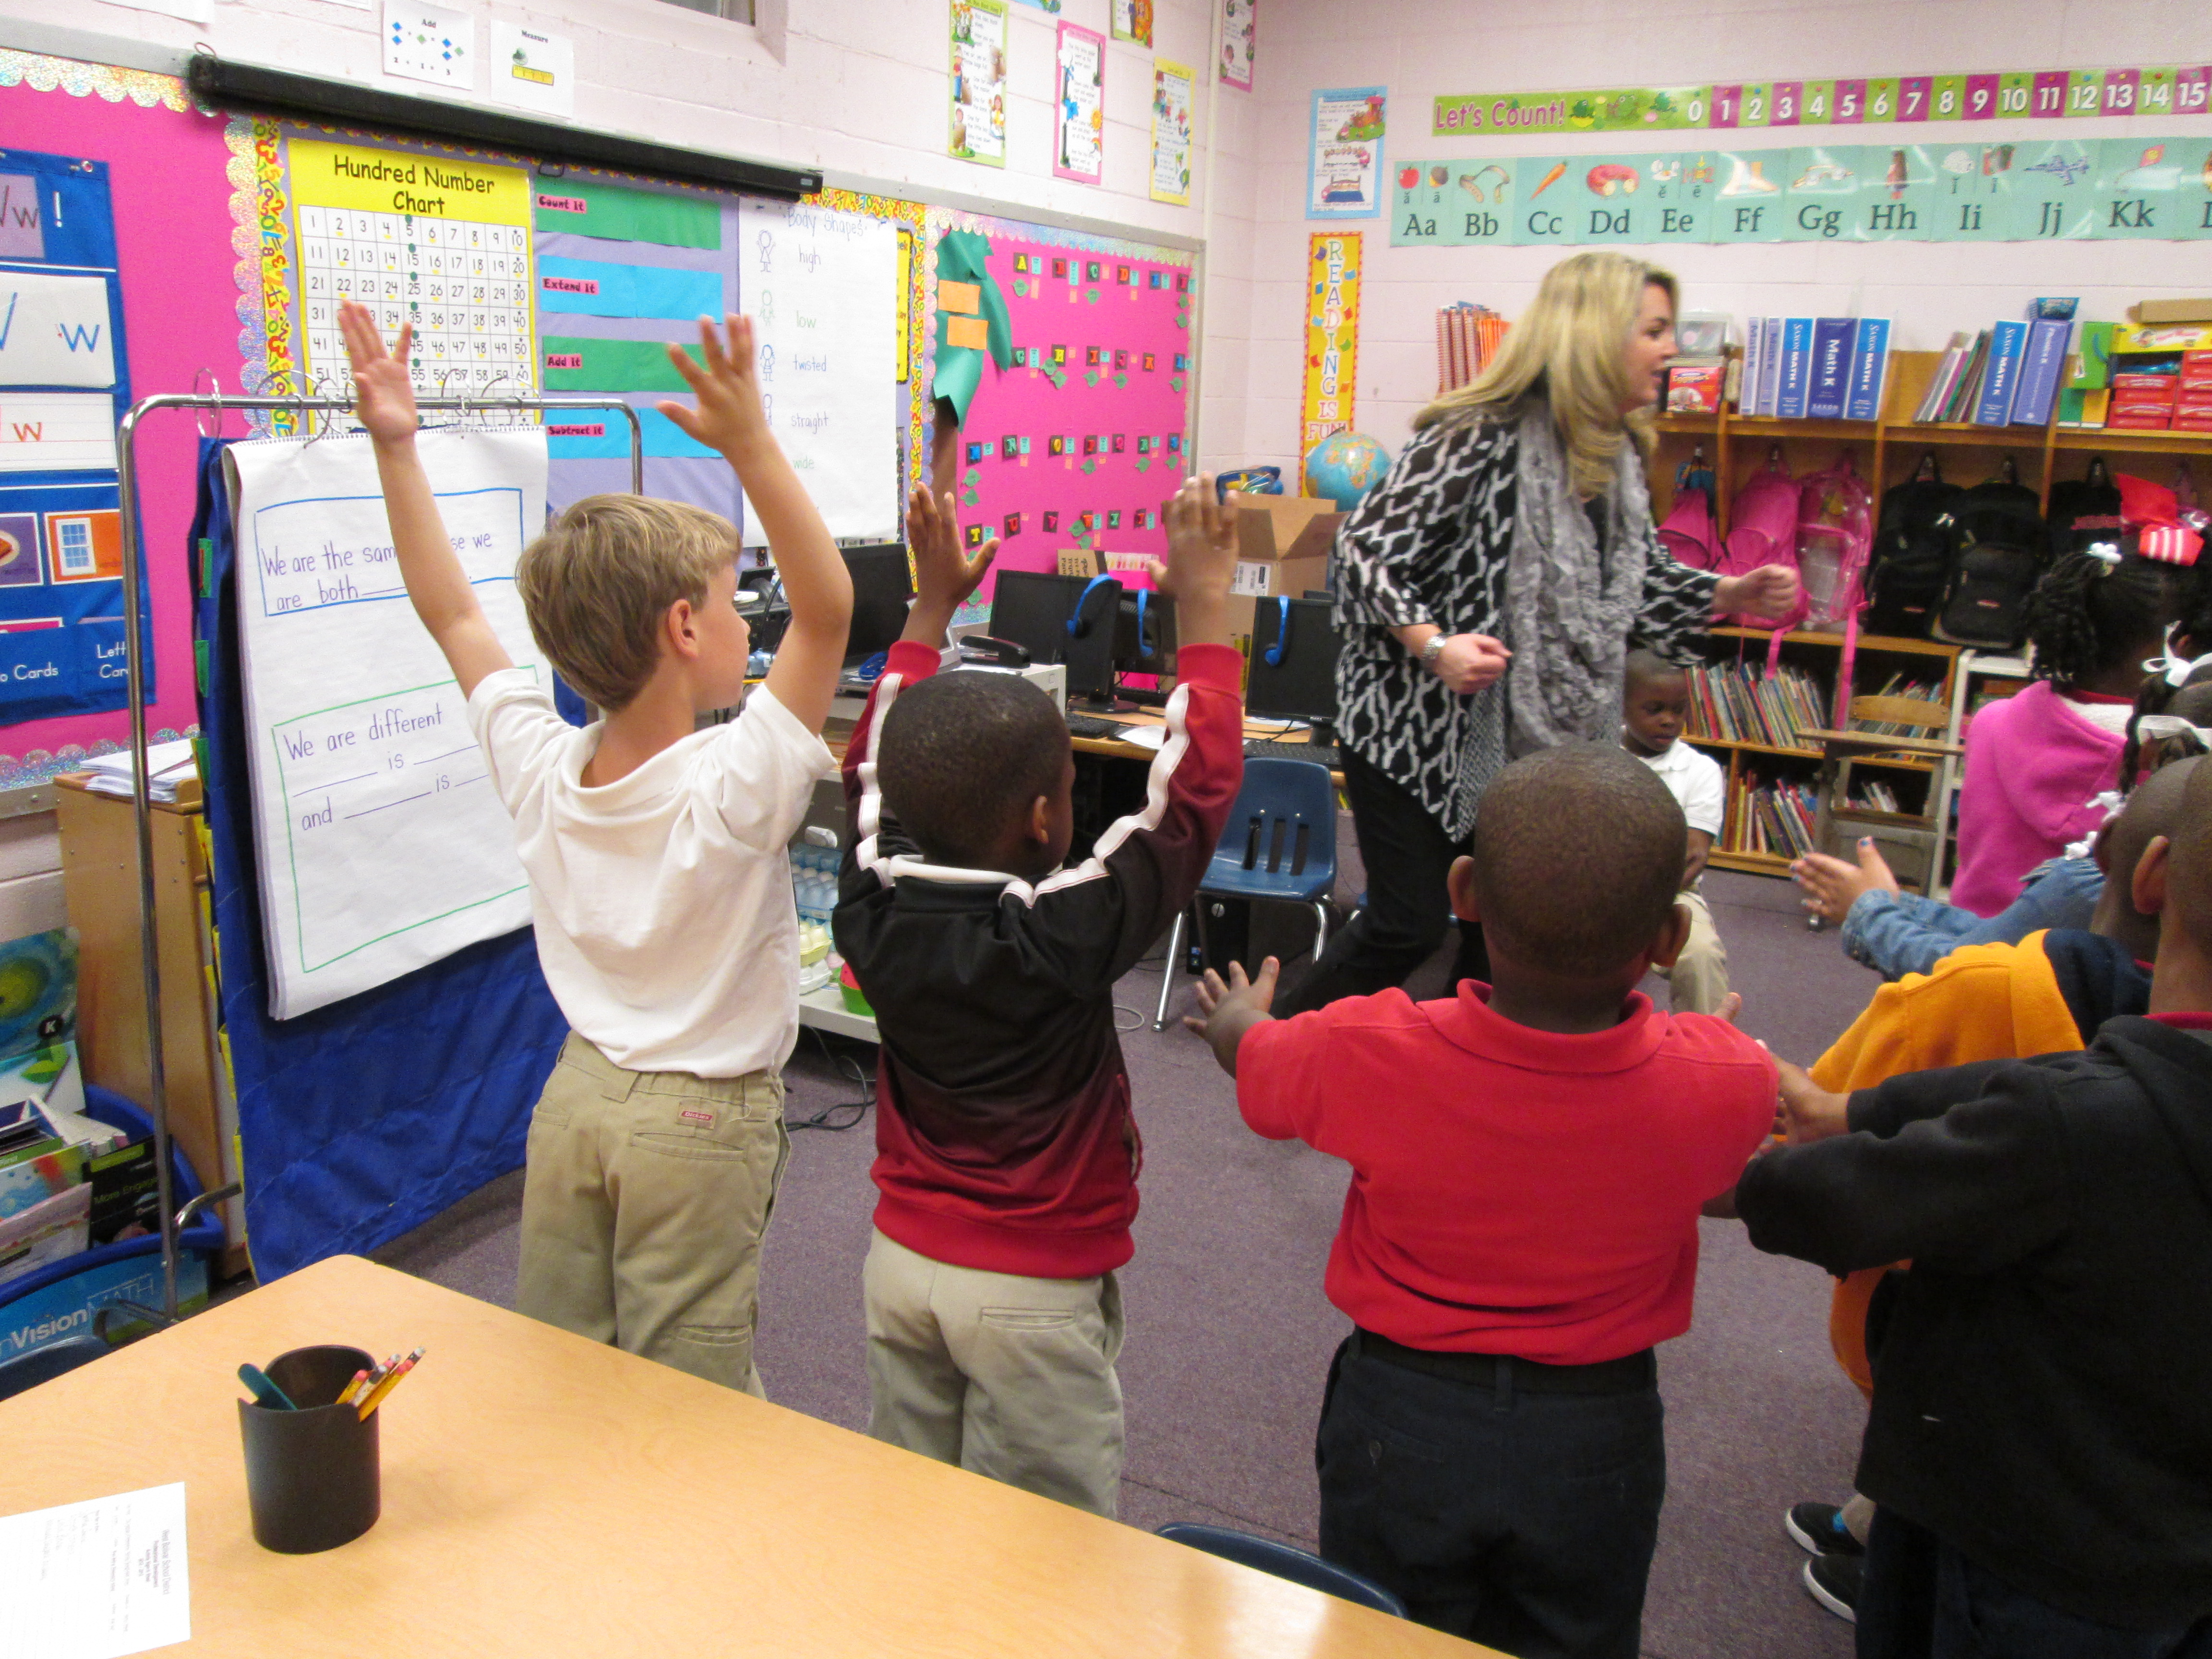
{"x":1699,"y":978}
{"x":643,"y":1205}
{"x":1006,"y":1377}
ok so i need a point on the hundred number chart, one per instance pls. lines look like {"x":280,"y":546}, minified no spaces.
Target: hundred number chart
{"x":447,"y":250}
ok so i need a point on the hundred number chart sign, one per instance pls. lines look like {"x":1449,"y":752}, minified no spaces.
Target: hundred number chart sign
{"x":442,"y":243}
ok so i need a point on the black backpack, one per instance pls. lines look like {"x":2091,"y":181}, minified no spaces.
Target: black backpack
{"x":1916,"y":552}
{"x":2000,"y":562}
{"x":2084,"y":511}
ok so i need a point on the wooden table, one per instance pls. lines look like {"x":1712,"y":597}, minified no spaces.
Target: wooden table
{"x":545,"y":1495}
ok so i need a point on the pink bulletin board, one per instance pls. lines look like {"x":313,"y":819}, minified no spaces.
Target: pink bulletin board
{"x":172,"y":172}
{"x":1049,"y":441}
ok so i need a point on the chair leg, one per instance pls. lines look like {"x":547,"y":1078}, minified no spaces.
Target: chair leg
{"x":1320,"y":928}
{"x":1167,"y":969}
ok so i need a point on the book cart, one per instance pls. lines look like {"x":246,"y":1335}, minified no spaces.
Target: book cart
{"x":1771,"y":773}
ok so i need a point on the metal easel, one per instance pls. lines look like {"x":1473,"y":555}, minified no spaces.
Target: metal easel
{"x":142,"y":803}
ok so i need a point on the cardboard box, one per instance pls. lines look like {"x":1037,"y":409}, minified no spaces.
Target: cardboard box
{"x":2140,"y":403}
{"x":2140,"y":424}
{"x":1694,"y":388}
{"x":2146,"y":380}
{"x":2188,"y":422}
{"x":1270,"y":578}
{"x":2171,"y":311}
{"x":1283,"y":526}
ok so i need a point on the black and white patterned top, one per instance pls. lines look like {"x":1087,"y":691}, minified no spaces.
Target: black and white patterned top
{"x":1430,"y":543}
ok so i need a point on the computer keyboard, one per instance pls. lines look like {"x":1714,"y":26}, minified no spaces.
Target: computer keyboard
{"x":1090,"y":725}
{"x":1271,"y":749}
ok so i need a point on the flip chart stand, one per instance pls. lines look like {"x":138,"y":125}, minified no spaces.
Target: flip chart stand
{"x":135,"y":649}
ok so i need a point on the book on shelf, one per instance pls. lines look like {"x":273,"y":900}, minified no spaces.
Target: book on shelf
{"x":1796,"y":368}
{"x":1993,"y":406}
{"x":1869,"y":370}
{"x":1754,"y":337}
{"x":1947,"y":367}
{"x":1831,"y":374}
{"x":1967,"y":393}
{"x":1773,"y":819}
{"x":2086,"y":392}
{"x":1770,"y":367}
{"x":1738,"y":702}
{"x":2040,"y":368}
{"x":1901,"y":685}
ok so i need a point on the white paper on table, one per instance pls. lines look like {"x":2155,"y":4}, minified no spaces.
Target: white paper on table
{"x":382,"y":845}
{"x":821,"y":287}
{"x":96,"y":1580}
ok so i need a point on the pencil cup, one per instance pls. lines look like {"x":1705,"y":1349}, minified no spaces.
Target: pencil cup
{"x":311,"y":1474}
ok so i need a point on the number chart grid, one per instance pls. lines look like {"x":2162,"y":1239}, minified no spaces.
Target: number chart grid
{"x":463,"y":284}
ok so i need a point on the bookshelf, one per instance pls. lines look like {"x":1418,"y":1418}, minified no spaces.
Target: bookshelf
{"x":1813,"y":660}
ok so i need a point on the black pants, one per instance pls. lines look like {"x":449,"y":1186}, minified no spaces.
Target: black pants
{"x":1407,"y":855}
{"x":1922,"y":1599}
{"x":1507,"y":1515}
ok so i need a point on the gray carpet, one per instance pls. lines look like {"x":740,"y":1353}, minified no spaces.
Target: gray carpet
{"x":1229,"y":1334}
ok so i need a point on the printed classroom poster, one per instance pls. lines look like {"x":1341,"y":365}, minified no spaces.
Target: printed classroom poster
{"x":979,"y":82}
{"x":533,"y":71}
{"x":1172,"y":86}
{"x":1239,"y":30}
{"x":435,"y":44}
{"x":439,"y":243}
{"x":1332,"y":334}
{"x":1345,"y":164}
{"x":1079,"y":112}
{"x":1132,"y":21}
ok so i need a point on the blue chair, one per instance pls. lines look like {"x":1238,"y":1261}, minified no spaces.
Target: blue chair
{"x":44,"y":1364}
{"x":1281,"y":1561}
{"x":1280,"y":843}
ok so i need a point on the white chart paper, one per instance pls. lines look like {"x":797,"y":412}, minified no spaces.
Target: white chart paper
{"x":56,"y":431}
{"x":96,"y":1580}
{"x":532,"y":70}
{"x":821,"y":288}
{"x":423,"y":42}
{"x":382,"y":847}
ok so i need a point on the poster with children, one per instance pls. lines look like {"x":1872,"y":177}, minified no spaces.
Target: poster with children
{"x":1171,"y":91}
{"x":1344,"y":157}
{"x":979,"y":82}
{"x":1079,"y":117}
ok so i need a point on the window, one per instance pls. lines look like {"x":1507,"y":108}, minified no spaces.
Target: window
{"x":73,"y":545}
{"x":738,"y":11}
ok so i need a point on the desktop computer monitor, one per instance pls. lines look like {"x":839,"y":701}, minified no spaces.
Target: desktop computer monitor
{"x":1293,"y":673}
{"x":1033,"y":608}
{"x":1145,"y":632}
{"x":880,"y":590}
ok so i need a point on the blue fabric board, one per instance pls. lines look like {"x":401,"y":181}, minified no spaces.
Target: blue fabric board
{"x":61,"y":602}
{"x":363,"y":1119}
{"x":599,"y":289}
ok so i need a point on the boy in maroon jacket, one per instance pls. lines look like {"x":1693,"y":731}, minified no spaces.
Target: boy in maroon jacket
{"x":1528,"y":1158}
{"x":1007,"y":1156}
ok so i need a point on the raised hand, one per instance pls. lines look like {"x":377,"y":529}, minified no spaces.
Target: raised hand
{"x":729,"y":415}
{"x":1202,"y":561}
{"x":384,"y":396}
{"x":944,"y":575}
{"x":1831,"y":886}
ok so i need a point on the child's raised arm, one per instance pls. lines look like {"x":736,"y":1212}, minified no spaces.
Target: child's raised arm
{"x":942,"y":575}
{"x":1202,"y":561}
{"x":730,"y":417}
{"x":383,"y":401}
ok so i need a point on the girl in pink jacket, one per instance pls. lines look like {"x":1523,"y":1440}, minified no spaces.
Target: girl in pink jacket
{"x":2036,"y":762}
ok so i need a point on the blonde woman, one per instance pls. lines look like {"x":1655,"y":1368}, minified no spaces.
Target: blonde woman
{"x":1489,"y":590}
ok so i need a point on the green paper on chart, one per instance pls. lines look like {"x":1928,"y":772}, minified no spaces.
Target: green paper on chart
{"x":963,"y":256}
{"x":573,"y":364}
{"x":617,"y":215}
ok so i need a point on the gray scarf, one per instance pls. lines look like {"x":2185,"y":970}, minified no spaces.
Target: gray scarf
{"x":1569,"y":607}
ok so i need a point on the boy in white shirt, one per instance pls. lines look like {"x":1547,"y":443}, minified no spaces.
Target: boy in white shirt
{"x":1656,"y":707}
{"x":655,"y":853}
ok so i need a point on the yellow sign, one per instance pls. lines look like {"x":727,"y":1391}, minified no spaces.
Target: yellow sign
{"x":392,"y":181}
{"x":1332,"y":334}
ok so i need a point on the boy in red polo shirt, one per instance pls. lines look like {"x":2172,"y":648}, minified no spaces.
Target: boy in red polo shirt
{"x":1529,"y":1162}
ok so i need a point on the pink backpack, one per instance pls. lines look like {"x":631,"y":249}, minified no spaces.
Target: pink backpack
{"x":1763,"y":530}
{"x":1835,"y":538}
{"x":1689,"y":535}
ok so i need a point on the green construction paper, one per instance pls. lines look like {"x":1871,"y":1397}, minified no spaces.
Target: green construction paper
{"x":962,"y":256}
{"x":611,"y":365}
{"x":1121,"y":380}
{"x":967,"y":498}
{"x":1143,"y":464}
{"x":617,"y":215}
{"x":1091,"y":465}
{"x":1090,"y":296}
{"x":973,"y":474}
{"x":1174,"y":382}
{"x":1090,"y":378}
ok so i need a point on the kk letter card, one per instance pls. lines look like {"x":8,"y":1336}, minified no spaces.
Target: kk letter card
{"x":381,"y":844}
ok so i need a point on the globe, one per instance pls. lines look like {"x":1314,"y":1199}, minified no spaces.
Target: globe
{"x":1344,"y":466}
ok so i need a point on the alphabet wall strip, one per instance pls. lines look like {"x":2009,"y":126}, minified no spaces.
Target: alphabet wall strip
{"x":2025,"y":190}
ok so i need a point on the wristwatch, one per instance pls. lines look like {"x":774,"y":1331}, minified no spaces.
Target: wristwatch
{"x":1433,"y":649}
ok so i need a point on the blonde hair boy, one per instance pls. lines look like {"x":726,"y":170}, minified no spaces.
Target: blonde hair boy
{"x":655,"y":854}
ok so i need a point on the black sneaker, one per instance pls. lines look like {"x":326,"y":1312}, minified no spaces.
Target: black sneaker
{"x":1818,"y":1530}
{"x":1833,"y":1582}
